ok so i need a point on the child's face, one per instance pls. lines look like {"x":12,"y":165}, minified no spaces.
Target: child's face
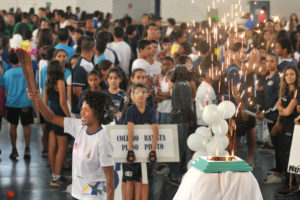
{"x":290,"y":76}
{"x":262,"y":69}
{"x":271,"y":63}
{"x":277,"y":27}
{"x":104,"y":72}
{"x":61,"y":56}
{"x":166,"y":65}
{"x":146,"y":51}
{"x":154,"y":49}
{"x":278,"y":49}
{"x":182,"y":39}
{"x":113,"y":80}
{"x":140,"y":95}
{"x":180,"y":50}
{"x":267,"y":36}
{"x":189,"y":65}
{"x":262,"y":53}
{"x":88,"y":117}
{"x":94,"y":81}
{"x":151,"y":32}
{"x":167,"y":46}
{"x":139,"y":77}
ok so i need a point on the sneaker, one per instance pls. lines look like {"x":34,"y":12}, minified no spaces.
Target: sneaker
{"x":286,"y":191}
{"x":163,"y":170}
{"x":272,"y":179}
{"x":267,"y":148}
{"x":44,"y":154}
{"x":174,"y":182}
{"x":14,"y":154}
{"x":271,"y":171}
{"x":62,"y":182}
{"x":259,"y":143}
{"x":268,"y":177}
{"x":27,"y":153}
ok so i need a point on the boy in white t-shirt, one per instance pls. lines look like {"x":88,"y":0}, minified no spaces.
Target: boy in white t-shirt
{"x":93,"y":164}
{"x":122,"y":49}
{"x":163,"y":94}
{"x":145,"y":48}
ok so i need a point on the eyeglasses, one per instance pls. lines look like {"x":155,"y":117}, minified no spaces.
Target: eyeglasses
{"x":140,"y":92}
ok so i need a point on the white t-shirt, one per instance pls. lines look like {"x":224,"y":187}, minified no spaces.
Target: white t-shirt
{"x":123,"y":51}
{"x":169,"y":31}
{"x":164,"y":106}
{"x":205,"y":95}
{"x":63,"y":25}
{"x":143,"y":64}
{"x":297,"y":56}
{"x":109,"y":55}
{"x":34,"y":34}
{"x":155,"y":68}
{"x":42,"y":63}
{"x":91,"y":152}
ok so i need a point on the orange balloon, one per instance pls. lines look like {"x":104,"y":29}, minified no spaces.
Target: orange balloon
{"x":10,"y":194}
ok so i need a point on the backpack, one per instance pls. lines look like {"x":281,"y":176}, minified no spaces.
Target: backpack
{"x":117,"y":62}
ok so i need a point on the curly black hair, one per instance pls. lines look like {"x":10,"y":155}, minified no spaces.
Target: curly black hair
{"x":102,"y":105}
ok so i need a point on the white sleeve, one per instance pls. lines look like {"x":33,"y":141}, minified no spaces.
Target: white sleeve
{"x":211,"y":96}
{"x":72,"y":126}
{"x":69,"y":80}
{"x":109,"y":55}
{"x":105,"y":152}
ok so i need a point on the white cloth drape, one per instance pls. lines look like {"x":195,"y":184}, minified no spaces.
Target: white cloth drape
{"x":197,"y":185}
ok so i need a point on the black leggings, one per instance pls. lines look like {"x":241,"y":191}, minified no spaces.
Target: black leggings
{"x":275,"y":140}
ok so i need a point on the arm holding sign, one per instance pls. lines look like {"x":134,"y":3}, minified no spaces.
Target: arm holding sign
{"x":155,"y":135}
{"x":130,"y":154}
{"x":152,"y":155}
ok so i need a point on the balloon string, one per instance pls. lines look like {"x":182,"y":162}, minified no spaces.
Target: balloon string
{"x":220,"y":189}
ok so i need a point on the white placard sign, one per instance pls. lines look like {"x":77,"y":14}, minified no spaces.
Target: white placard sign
{"x":294,"y":161}
{"x":166,"y":149}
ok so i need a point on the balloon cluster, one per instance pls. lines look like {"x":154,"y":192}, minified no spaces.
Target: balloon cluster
{"x":202,"y":141}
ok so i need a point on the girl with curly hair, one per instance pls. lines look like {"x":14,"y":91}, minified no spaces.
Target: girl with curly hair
{"x":92,"y":163}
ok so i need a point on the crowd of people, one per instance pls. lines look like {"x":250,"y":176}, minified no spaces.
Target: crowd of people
{"x":92,"y":70}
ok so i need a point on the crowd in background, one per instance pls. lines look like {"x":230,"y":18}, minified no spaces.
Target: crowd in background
{"x":184,"y":67}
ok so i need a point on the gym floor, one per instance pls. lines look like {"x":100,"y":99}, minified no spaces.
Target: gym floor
{"x":30,"y":179}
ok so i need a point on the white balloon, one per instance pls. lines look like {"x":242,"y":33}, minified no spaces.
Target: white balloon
{"x":189,"y":164}
{"x":223,"y":139}
{"x":215,"y":147}
{"x":222,"y":153}
{"x":203,"y":131}
{"x":196,"y":142}
{"x":227,"y":108}
{"x":221,"y":128}
{"x":198,"y":154}
{"x":211,"y":114}
{"x":15,"y":41}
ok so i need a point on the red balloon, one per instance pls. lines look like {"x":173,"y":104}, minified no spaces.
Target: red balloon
{"x":10,"y":194}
